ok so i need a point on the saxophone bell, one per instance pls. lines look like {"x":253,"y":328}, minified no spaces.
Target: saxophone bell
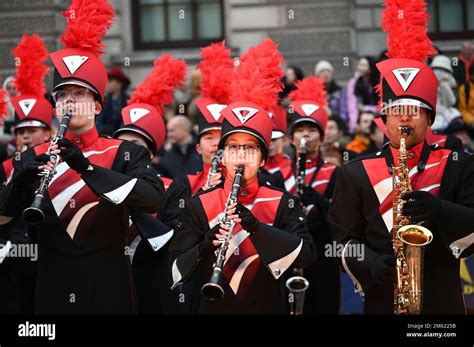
{"x":297,"y":286}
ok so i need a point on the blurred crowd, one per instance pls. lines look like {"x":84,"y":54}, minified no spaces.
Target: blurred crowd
{"x":351,"y":129}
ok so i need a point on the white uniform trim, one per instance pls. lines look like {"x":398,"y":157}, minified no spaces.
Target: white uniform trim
{"x":159,"y":241}
{"x":62,"y":199}
{"x":4,"y":251}
{"x":117,"y":196}
{"x":133,"y":247}
{"x":175,"y":274}
{"x":357,"y":285}
{"x":458,"y":246}
{"x":239,"y":273}
{"x":278,"y":267}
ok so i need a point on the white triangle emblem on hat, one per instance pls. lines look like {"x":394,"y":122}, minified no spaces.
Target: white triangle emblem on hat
{"x":137,"y":113}
{"x":215,"y":110}
{"x":74,"y":62}
{"x":244,"y":113}
{"x":405,"y":76}
{"x":308,"y":109}
{"x":27,"y":105}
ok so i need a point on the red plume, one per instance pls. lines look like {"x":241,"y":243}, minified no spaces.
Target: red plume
{"x":158,"y":87}
{"x":30,"y":54}
{"x":217,"y":69}
{"x":88,"y":21}
{"x":406,"y":23}
{"x":311,"y":89}
{"x":258,"y":76}
{"x":3,"y":104}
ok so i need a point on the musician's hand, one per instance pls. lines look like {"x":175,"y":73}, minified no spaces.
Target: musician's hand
{"x":207,"y":245}
{"x":310,"y":196}
{"x":221,"y":234}
{"x":27,"y":172}
{"x":216,"y":179}
{"x":246,"y":218}
{"x":421,"y":206}
{"x":73,"y":156}
{"x":383,"y":269}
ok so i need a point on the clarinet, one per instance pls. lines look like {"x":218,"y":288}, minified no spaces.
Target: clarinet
{"x":301,"y":168}
{"x":214,"y":169}
{"x":34,"y":213}
{"x":213,"y":290}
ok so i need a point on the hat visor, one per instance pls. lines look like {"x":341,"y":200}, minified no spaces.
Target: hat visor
{"x":76,"y":83}
{"x":202,"y":132}
{"x":137,"y":131}
{"x":276,"y":134}
{"x":405,"y":102}
{"x":222,"y":140}
{"x":31,"y":123}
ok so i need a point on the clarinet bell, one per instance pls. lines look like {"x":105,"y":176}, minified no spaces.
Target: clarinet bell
{"x":34,"y":214}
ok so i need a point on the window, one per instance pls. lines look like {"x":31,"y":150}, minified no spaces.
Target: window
{"x":176,"y":23}
{"x":451,"y":19}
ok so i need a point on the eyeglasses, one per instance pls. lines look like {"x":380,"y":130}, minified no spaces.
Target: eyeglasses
{"x":76,"y":94}
{"x":248,"y":148}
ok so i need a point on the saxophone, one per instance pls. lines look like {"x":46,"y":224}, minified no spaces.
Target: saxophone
{"x":408,"y":241}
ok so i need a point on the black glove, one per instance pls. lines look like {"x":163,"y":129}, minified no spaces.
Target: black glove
{"x":73,"y":156}
{"x":421,"y":206}
{"x":310,"y":196}
{"x":206,"y":247}
{"x":383,"y":270}
{"x":26,"y":173}
{"x":248,"y":220}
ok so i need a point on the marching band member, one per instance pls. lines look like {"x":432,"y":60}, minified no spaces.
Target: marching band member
{"x":32,"y":126}
{"x":362,"y":216}
{"x":217,"y":68}
{"x":82,"y":266}
{"x":150,"y":233}
{"x":308,"y":121}
{"x":270,"y":235}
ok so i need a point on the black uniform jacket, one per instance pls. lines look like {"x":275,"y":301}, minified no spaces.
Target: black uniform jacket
{"x":361,"y":219}
{"x":83,"y":266}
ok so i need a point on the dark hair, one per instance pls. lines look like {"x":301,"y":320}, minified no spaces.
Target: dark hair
{"x":367,"y":93}
{"x":341,"y":125}
{"x":362,"y":112}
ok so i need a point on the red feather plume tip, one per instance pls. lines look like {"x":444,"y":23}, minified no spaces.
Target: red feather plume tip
{"x":88,"y":22}
{"x":217,"y":69}
{"x":30,"y":57}
{"x":158,"y":87}
{"x":258,"y":76}
{"x":406,"y":22}
{"x":311,"y":89}
{"x":3,"y":104}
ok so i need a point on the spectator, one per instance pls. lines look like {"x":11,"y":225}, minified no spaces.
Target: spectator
{"x":110,"y":119}
{"x":9,"y":119}
{"x":181,"y":158}
{"x":361,"y":91}
{"x":361,"y":140}
{"x":465,"y":60}
{"x":446,"y":101}
{"x":194,"y":93}
{"x":466,"y":104}
{"x":292,"y":74}
{"x":336,"y":95}
{"x":376,"y":137}
{"x":461,"y":131}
